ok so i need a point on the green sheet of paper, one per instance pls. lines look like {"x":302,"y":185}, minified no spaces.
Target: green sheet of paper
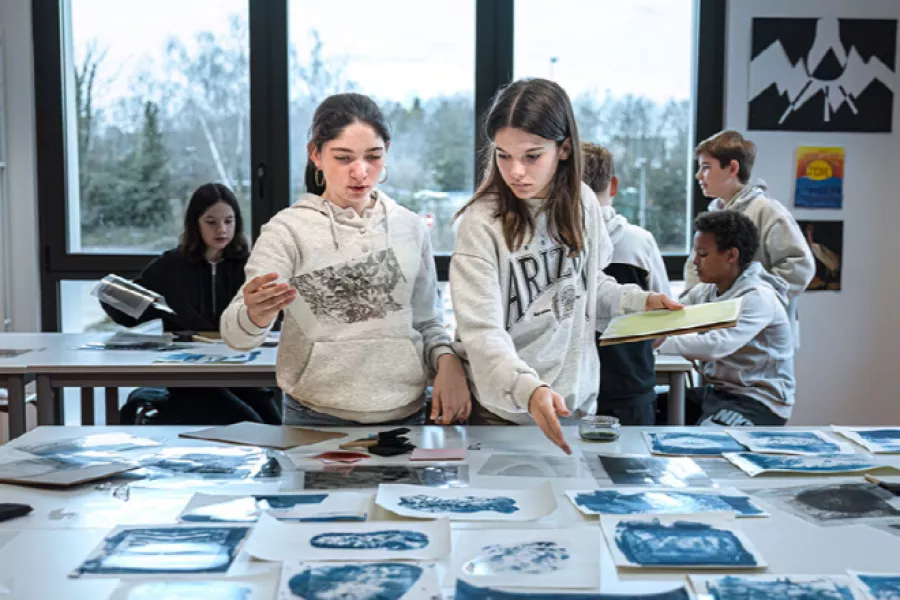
{"x":657,"y":323}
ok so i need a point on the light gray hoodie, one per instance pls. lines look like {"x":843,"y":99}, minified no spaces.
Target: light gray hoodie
{"x":528,"y":318}
{"x":783,"y":250}
{"x":634,"y":245}
{"x":754,"y":359}
{"x":366,"y":327}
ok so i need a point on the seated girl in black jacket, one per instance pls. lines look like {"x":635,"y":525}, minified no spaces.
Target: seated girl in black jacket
{"x":198,"y":279}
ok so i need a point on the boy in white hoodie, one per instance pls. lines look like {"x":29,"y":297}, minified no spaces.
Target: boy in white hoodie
{"x":355,"y":275}
{"x":725,"y":163}
{"x":748,"y":369}
{"x":627,"y":371}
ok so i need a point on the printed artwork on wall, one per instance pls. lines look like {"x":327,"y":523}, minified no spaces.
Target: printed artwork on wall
{"x":824,"y":74}
{"x":826,"y":240}
{"x":819,"y":178}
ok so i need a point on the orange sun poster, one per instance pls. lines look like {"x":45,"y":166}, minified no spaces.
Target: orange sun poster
{"x":820,"y":178}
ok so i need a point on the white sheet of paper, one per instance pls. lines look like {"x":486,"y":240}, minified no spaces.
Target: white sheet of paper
{"x":772,"y":586}
{"x":534,"y":558}
{"x":786,"y":441}
{"x":700,"y":541}
{"x":255,"y":588}
{"x":836,"y":464}
{"x":372,"y":540}
{"x":310,"y":580}
{"x":666,"y":501}
{"x":467,"y":504}
{"x":876,"y":586}
{"x":335,"y":506}
{"x":867,"y":437}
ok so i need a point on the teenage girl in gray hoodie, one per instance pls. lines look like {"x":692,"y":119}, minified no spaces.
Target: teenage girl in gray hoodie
{"x":526,"y":277}
{"x":354,"y":273}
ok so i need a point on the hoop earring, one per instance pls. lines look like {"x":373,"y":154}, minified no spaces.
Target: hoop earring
{"x":385,"y":175}
{"x":319,"y":178}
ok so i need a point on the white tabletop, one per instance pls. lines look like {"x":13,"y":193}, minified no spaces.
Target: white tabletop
{"x":66,"y":525}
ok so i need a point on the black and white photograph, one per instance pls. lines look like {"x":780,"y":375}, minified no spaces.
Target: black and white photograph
{"x":372,"y":477}
{"x":646,"y":470}
{"x":838,"y":503}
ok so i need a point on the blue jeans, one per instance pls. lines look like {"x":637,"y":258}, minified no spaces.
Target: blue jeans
{"x":300,"y":415}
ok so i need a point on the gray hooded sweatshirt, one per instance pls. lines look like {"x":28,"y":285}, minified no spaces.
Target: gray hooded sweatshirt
{"x":366,"y":328}
{"x":527,"y":319}
{"x":633,"y":245}
{"x":755,"y":359}
{"x":783,"y":250}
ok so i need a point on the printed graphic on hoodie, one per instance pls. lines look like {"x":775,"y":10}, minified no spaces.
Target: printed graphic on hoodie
{"x":530,"y":275}
{"x":353,"y":292}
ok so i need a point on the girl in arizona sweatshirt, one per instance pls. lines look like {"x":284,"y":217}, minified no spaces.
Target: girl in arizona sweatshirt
{"x":355,"y":275}
{"x":526,"y":277}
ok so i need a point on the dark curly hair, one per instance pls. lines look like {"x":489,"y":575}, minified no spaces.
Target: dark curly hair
{"x":731,"y":230}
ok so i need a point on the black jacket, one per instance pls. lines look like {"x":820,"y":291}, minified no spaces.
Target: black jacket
{"x":626,"y":370}
{"x":198,"y":292}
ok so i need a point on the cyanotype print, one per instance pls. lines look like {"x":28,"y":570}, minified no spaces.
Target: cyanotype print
{"x":372,"y":477}
{"x":531,"y":558}
{"x":622,"y":502}
{"x":466,"y":504}
{"x":467,"y":591}
{"x":389,"y":539}
{"x":363,"y":581}
{"x":692,"y":444}
{"x":680,"y":544}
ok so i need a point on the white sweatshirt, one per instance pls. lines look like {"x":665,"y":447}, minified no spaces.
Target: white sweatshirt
{"x":634,"y":245}
{"x":528,"y":318}
{"x":366,"y":326}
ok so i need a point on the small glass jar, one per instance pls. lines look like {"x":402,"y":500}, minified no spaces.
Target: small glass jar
{"x":599,"y":428}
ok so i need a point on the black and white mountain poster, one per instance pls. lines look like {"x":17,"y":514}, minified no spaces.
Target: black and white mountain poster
{"x":822,"y":74}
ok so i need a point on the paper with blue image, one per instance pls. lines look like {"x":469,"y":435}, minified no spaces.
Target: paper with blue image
{"x":710,"y":541}
{"x":467,"y":591}
{"x":763,"y":587}
{"x":170,"y":550}
{"x":877,"y":440}
{"x":527,"y":558}
{"x":840,"y":503}
{"x":370,"y":540}
{"x":661,"y":501}
{"x":238,"y":588}
{"x":199,"y":358}
{"x":787,"y":441}
{"x":334,"y":506}
{"x":877,"y":586}
{"x":834,"y":464}
{"x":692,"y":443}
{"x":467,"y":504}
{"x":382,"y":580}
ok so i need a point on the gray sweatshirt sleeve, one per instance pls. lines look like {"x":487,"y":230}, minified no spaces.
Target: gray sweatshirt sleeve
{"x":503,"y":379}
{"x":757,"y":311}
{"x":274,"y":252}
{"x":427,"y":309}
{"x":659,"y":278}
{"x":789,"y":255}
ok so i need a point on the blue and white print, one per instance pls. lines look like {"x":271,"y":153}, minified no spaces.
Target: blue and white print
{"x":656,"y":501}
{"x":467,"y":504}
{"x":688,"y":443}
{"x":877,"y":440}
{"x":467,"y":591}
{"x":764,"y":587}
{"x":835,"y":464}
{"x":804,"y":443}
{"x":384,"y":580}
{"x":878,"y":586}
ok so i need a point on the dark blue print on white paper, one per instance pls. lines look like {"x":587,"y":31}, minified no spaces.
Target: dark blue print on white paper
{"x":389,"y":539}
{"x":365,"y":581}
{"x":683,"y":543}
{"x":288,"y":501}
{"x":736,"y":587}
{"x":619,"y":502}
{"x":881,"y":587}
{"x":888,"y":440}
{"x":190,"y":590}
{"x":791,"y":441}
{"x":838,"y":463}
{"x":467,"y":591}
{"x":462,"y":505}
{"x":693,"y":444}
{"x":528,"y":558}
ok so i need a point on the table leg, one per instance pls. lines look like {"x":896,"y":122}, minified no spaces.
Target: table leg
{"x":15,"y":387}
{"x":87,"y":406}
{"x":46,"y":410}
{"x":112,"y":405}
{"x":676,"y":398}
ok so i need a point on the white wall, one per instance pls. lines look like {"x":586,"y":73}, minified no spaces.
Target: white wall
{"x":848,"y":364}
{"x":15,"y":32}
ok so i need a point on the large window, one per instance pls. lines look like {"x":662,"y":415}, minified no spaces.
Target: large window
{"x":420,"y":72}
{"x":627,"y":67}
{"x":157,"y":103}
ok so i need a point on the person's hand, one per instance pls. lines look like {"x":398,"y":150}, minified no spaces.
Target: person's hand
{"x":264,"y":298}
{"x":450,"y":399}
{"x":661,"y":301}
{"x":544,"y":406}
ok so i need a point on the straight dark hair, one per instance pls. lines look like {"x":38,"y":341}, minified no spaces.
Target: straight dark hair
{"x":191,"y":241}
{"x":542,"y":108}
{"x":331,"y":117}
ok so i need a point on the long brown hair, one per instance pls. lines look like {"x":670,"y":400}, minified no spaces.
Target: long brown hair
{"x":191,"y":241}
{"x":542,"y":108}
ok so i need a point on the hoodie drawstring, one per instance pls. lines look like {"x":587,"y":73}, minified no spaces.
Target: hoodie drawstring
{"x":334,"y":235}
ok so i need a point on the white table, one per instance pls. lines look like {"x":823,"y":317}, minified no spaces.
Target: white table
{"x":676,"y":370}
{"x":66,"y":525}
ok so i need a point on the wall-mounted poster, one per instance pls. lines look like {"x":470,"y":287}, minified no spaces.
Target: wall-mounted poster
{"x":820,"y":178}
{"x":822,"y":74}
{"x":826,"y":240}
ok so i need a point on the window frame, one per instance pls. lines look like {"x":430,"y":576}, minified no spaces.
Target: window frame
{"x":269,"y":119}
